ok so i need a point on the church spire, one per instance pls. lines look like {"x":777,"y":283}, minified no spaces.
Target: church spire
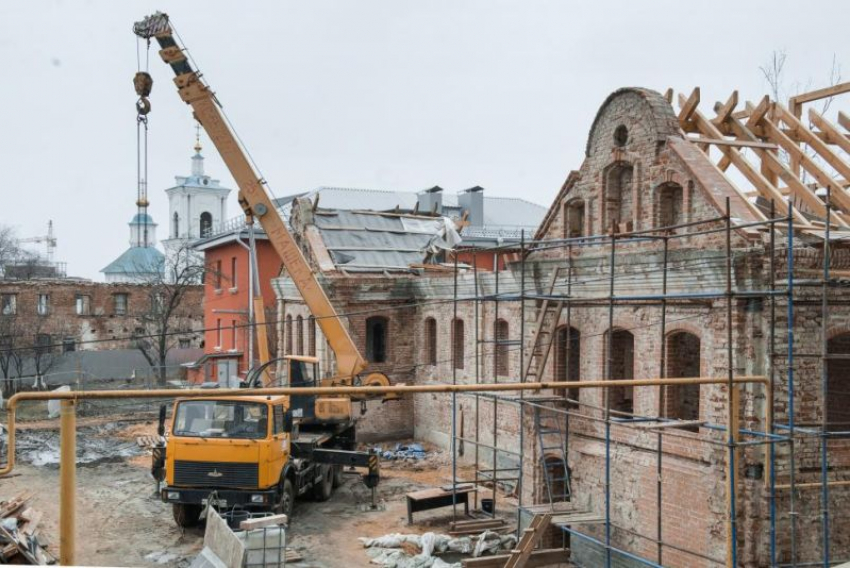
{"x":197,"y":159}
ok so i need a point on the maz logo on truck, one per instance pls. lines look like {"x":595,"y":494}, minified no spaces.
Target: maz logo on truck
{"x":215,"y":473}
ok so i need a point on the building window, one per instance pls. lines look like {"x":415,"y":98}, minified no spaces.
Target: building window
{"x":119,"y":304}
{"x":69,"y":344}
{"x":8,"y":304}
{"x":568,"y":358}
{"x":83,"y":305}
{"x":458,"y":340}
{"x":299,"y":335}
{"x":838,"y":383}
{"x":218,"y":333}
{"x":311,"y":336}
{"x":501,"y":352}
{"x":278,"y":419}
{"x":671,"y":209}
{"x":175,"y":229}
{"x":620,"y":366}
{"x":206,"y":224}
{"x":42,"y":344}
{"x":233,"y":342}
{"x":431,"y":341}
{"x":619,"y":206}
{"x":43,"y":307}
{"x":621,"y":136}
{"x":288,"y":333}
{"x":376,"y":339}
{"x":574,"y":219}
{"x":683,"y":356}
{"x":184,"y":343}
{"x":217,"y":275}
{"x":233,"y":272}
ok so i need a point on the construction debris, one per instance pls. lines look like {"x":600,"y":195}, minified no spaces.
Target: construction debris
{"x":19,"y":540}
{"x":418,"y":551}
{"x":402,"y":452}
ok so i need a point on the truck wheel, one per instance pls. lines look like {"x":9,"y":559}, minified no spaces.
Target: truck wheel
{"x":338,"y":476}
{"x":185,"y":514}
{"x":323,"y":488}
{"x":286,"y":506}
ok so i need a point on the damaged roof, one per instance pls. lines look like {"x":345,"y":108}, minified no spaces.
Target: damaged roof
{"x":366,"y":241}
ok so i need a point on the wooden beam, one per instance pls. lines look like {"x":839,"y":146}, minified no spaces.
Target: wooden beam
{"x":818,"y":94}
{"x":815,"y":143}
{"x":545,"y":557}
{"x":764,"y":187}
{"x":758,"y":112}
{"x":689,"y":106}
{"x":735,"y":143}
{"x":796,"y":188}
{"x":834,"y":135}
{"x":726,"y":109}
{"x":668,"y":94}
{"x":844,"y":120}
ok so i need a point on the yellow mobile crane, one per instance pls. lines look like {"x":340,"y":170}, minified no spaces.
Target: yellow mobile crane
{"x":256,"y":453}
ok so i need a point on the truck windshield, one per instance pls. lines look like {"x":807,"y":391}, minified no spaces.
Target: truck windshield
{"x":221,"y":419}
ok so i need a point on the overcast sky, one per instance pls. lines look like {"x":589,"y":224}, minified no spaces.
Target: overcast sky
{"x":391,"y":94}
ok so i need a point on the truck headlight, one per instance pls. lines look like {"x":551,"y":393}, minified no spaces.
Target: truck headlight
{"x":172,"y":495}
{"x":258,"y":498}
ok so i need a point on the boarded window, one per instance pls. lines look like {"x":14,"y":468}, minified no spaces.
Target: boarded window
{"x":233,"y":282}
{"x":619,"y":203}
{"x":458,"y":340}
{"x":376,"y":339}
{"x":83,"y":305}
{"x":299,"y":335}
{"x":431,"y":341}
{"x":43,"y":344}
{"x":568,"y":358}
{"x":8,"y":304}
{"x":119,"y":304}
{"x":501,"y":352}
{"x":43,"y":304}
{"x":233,"y":330}
{"x":683,"y":360}
{"x":838,"y":383}
{"x":288,"y":333}
{"x":574,"y":219}
{"x":620,"y":366}
{"x":671,"y":209}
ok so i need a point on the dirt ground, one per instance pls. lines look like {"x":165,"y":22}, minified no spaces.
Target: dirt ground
{"x":120,"y":522}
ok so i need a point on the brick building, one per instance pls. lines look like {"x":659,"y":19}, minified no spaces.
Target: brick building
{"x":673,"y":293}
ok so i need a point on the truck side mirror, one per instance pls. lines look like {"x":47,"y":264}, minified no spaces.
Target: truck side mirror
{"x":287,"y":422}
{"x":161,"y":428}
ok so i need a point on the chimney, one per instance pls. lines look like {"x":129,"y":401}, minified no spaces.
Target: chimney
{"x":430,"y":200}
{"x":472,"y":200}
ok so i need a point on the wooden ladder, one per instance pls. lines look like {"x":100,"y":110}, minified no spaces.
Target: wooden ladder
{"x":544,"y":335}
{"x":530,"y":537}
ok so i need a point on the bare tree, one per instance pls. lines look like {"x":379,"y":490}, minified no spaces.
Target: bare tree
{"x":11,"y":354}
{"x":44,"y":352}
{"x":168,"y":316}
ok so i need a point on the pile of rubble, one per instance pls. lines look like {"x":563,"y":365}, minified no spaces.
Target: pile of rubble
{"x":419,"y":551}
{"x":19,"y":539}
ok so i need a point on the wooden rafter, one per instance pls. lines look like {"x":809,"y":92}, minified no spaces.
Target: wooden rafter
{"x":819,"y":94}
{"x":725,"y":110}
{"x":688,"y":107}
{"x":833,"y":135}
{"x":736,"y":143}
{"x":844,"y":120}
{"x":815,"y":143}
{"x":759,"y":181}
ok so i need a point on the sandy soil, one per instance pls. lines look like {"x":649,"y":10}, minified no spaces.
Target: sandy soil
{"x":121,"y":523}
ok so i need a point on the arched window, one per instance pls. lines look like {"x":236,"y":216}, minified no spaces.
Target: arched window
{"x":619,"y":205}
{"x":376,"y":339}
{"x":458,"y":340}
{"x":288,"y":333}
{"x":683,"y":358}
{"x":671,"y":205}
{"x":574,"y":219}
{"x":175,"y":229}
{"x":431,"y":341}
{"x":837,"y":405}
{"x":206,"y":224}
{"x":299,"y":334}
{"x":311,"y":336}
{"x":501,"y":352}
{"x":620,"y":365}
{"x":568,"y":358}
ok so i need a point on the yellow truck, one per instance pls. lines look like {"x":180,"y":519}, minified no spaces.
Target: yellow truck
{"x":257,"y":452}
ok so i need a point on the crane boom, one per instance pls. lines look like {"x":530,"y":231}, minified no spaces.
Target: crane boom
{"x":253,"y":197}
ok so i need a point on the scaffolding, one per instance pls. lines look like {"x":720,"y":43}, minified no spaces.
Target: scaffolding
{"x":731,"y":437}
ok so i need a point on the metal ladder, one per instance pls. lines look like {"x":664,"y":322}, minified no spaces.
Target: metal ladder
{"x":549,"y":312}
{"x":552,"y":432}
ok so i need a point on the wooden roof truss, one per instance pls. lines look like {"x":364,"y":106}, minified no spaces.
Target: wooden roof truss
{"x":780,"y":158}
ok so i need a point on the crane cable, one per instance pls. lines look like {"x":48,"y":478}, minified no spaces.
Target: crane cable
{"x":143,"y":83}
